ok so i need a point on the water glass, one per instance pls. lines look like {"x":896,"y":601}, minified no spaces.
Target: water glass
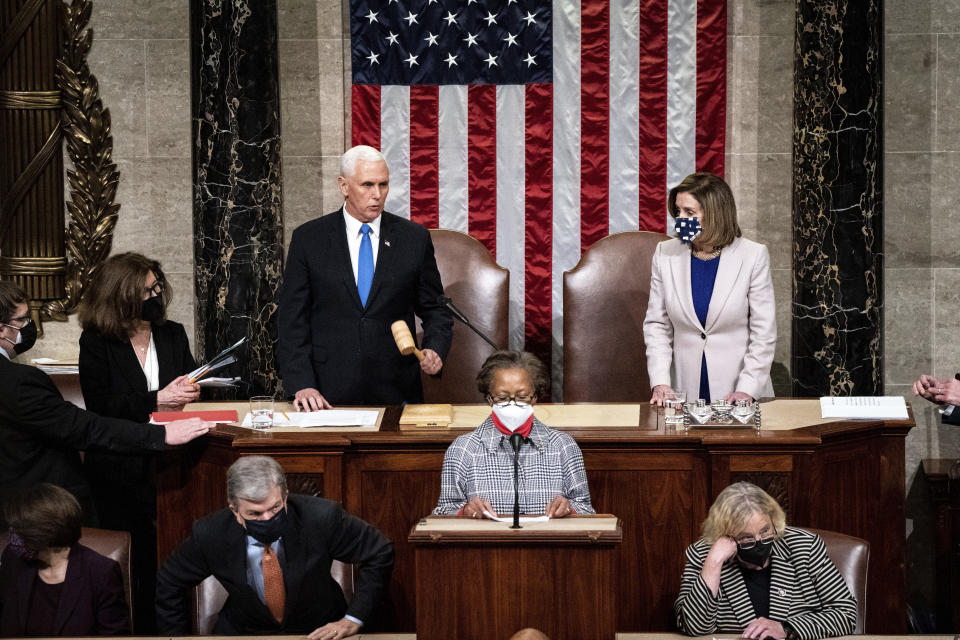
{"x":673,"y":408}
{"x":261,"y":412}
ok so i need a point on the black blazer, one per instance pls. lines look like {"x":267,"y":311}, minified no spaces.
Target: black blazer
{"x":113,"y":384}
{"x":41,"y":435}
{"x":112,"y":379}
{"x":320,"y":532}
{"x":328,"y":341}
{"x":91,"y":603}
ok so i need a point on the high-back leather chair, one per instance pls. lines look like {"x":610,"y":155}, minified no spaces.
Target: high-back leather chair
{"x":852,"y":557}
{"x":604,"y":303}
{"x":209,"y":597}
{"x":112,"y":544}
{"x":479,"y":288}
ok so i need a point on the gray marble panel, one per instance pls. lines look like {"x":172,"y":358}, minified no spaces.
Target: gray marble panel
{"x":946,"y":345}
{"x":774,"y":217}
{"x":760,"y":96}
{"x":908,"y":209}
{"x":910,"y":92}
{"x":948,"y":93}
{"x":780,"y":371}
{"x":163,"y":18}
{"x":741,"y":175}
{"x":334,"y":98}
{"x":945,"y":16}
{"x":299,"y":103}
{"x":168,"y":98}
{"x":742,"y":90}
{"x":298,"y":19}
{"x":761,"y":17}
{"x":330,"y":192}
{"x":944,"y":199}
{"x":302,"y":193}
{"x":908,"y":16}
{"x":120,"y":71}
{"x":908,"y":325}
{"x":332,"y":16}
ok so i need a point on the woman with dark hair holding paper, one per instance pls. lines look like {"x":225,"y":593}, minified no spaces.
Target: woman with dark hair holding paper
{"x":133,"y":361}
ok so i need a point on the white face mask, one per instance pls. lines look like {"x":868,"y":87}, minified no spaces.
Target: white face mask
{"x":512,"y":416}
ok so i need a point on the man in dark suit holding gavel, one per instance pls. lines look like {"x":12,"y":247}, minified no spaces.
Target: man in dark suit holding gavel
{"x":349,"y":276}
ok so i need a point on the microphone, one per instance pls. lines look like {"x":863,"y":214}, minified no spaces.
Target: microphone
{"x":515,"y":440}
{"x":456,"y":313}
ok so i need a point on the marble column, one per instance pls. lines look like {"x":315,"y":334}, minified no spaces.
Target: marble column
{"x":237,"y":205}
{"x":838,"y":198}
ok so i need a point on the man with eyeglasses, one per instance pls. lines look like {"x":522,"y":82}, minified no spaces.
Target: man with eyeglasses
{"x":477,"y":477}
{"x":42,"y":434}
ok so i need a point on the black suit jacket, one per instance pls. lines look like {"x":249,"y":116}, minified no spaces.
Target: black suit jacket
{"x":41,"y":435}
{"x":91,"y":603}
{"x":113,"y":384}
{"x":320,"y":532}
{"x":329,"y":341}
{"x":112,"y":379}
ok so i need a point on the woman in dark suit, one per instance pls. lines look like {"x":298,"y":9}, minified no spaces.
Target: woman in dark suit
{"x":50,"y":585}
{"x":753,"y":575}
{"x":133,"y":362}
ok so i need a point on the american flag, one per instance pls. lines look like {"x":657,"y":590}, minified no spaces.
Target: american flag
{"x":539,"y":128}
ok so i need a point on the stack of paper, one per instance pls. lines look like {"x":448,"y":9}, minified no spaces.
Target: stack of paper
{"x":328,"y":418}
{"x":222,"y":359}
{"x":51,"y":366}
{"x":875,"y":407}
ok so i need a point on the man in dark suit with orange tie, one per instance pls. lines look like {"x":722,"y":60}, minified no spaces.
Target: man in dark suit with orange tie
{"x":349,"y":276}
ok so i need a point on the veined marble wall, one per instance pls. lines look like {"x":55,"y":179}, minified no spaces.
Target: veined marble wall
{"x":140,"y":56}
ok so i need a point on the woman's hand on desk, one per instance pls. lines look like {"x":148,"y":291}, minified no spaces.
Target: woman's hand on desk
{"x":309,"y":399}
{"x":178,"y":393}
{"x":559,"y":507}
{"x":183,"y":431}
{"x":659,"y":393}
{"x":763,"y":628}
{"x":475,"y":508}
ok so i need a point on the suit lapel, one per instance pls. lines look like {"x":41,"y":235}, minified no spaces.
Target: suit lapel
{"x":129,"y":364}
{"x":165,"y":356}
{"x":295,"y":559}
{"x":680,"y":272}
{"x":73,"y":586}
{"x":731,"y":261}
{"x":732,"y":585}
{"x":236,"y":573}
{"x":339,"y":252}
{"x":782,"y":576}
{"x":385,"y":255}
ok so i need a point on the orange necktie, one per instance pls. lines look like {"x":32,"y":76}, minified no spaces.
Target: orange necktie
{"x":273,"y":590}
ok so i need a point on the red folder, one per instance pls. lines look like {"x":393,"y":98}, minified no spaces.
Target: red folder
{"x":163,"y":417}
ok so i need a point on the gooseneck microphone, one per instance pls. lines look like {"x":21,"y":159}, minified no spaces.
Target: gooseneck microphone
{"x":456,"y":313}
{"x":515,"y":440}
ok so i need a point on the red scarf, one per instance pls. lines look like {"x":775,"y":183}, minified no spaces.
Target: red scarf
{"x":523,"y":430}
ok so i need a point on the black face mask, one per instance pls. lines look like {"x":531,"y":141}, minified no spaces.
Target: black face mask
{"x":758,"y":555}
{"x":266,"y":531}
{"x":152,"y":309}
{"x":26,"y":339}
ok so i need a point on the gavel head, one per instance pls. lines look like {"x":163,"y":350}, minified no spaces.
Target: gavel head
{"x":403,"y":338}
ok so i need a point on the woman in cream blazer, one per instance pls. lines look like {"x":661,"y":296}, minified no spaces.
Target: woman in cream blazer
{"x":738,"y":335}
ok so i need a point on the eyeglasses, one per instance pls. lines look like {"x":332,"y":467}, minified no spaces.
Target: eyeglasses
{"x":157,"y":289}
{"x":750,"y":542}
{"x":521,"y":399}
{"x":25,"y":322}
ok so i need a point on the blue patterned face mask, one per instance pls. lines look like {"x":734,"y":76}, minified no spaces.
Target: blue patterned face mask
{"x":687,"y":229}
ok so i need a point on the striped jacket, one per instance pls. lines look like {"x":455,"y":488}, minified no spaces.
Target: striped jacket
{"x":806,"y":591}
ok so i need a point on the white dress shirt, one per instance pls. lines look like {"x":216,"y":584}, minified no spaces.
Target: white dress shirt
{"x":151,"y":368}
{"x":354,"y":237}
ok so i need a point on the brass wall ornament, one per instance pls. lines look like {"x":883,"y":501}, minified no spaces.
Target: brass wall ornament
{"x":94,"y":178}
{"x":48,"y":94}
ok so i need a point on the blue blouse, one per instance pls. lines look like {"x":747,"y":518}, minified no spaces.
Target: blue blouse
{"x":703,"y":274}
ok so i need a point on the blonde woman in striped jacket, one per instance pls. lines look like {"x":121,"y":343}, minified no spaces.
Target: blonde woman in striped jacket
{"x":753,"y":575}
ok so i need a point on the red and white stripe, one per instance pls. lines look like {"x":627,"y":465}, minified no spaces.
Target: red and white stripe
{"x":538,"y":173}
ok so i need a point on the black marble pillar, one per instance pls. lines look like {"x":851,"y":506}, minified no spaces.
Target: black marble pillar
{"x":237,"y":207}
{"x":838,"y":198}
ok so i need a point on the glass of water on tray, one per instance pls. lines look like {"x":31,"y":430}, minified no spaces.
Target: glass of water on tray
{"x":261,"y":412}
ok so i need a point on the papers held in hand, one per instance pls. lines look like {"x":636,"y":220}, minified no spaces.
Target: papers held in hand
{"x":328,"y":418}
{"x":222,"y":359}
{"x":867,"y":407}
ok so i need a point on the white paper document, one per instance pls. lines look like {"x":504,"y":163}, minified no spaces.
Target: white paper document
{"x":876,"y":407}
{"x":522,"y":518}
{"x":328,"y":418}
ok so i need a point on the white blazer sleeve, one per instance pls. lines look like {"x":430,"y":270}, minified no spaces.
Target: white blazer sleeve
{"x":762,"y":341}
{"x":657,"y":328}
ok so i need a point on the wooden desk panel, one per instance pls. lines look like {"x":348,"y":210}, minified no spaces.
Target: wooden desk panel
{"x":842,"y":476}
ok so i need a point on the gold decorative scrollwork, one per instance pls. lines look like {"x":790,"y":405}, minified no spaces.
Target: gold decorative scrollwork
{"x":94,"y":178}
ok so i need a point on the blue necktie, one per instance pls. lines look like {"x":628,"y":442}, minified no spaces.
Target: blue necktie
{"x":365,"y":265}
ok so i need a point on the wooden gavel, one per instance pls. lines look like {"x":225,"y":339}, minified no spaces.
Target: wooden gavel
{"x":404,"y":340}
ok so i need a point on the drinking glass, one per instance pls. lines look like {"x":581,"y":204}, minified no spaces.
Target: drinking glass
{"x":261,"y":412}
{"x":673,"y":408}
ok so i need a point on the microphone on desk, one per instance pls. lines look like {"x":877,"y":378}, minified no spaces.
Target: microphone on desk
{"x":515,"y":440}
{"x":456,"y":313}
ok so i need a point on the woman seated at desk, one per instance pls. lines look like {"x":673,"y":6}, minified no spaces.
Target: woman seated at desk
{"x":50,"y":585}
{"x":478,"y":467}
{"x":752,"y":574}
